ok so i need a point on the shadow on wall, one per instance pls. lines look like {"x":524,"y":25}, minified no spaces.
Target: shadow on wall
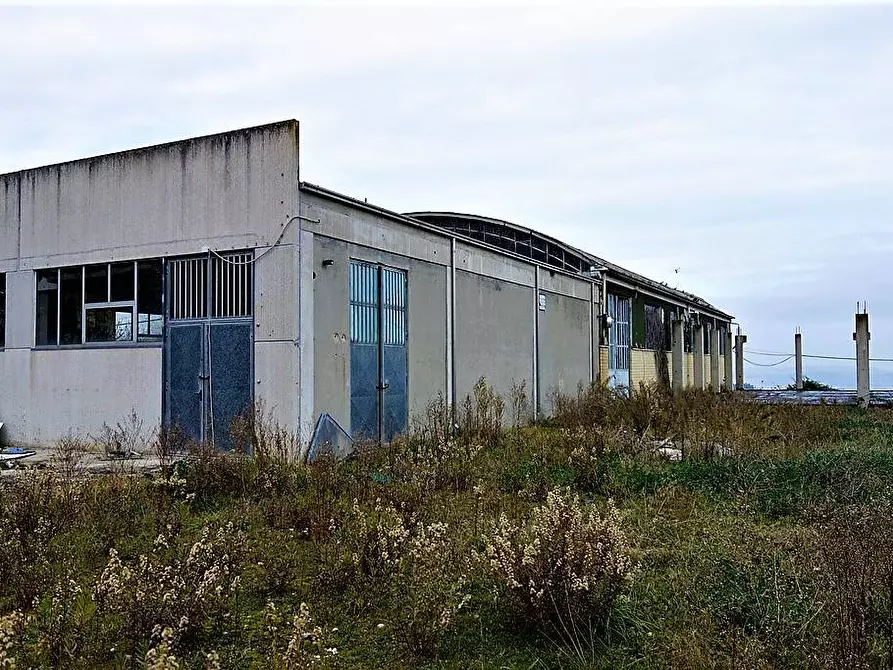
{"x":662,"y":366}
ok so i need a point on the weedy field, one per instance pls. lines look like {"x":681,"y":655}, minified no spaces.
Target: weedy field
{"x":573,"y":543}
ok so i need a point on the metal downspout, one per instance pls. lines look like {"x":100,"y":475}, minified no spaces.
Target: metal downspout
{"x":451,"y":335}
{"x":536,"y":342}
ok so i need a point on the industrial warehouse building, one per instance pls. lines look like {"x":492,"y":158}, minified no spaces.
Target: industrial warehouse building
{"x":185,"y":281}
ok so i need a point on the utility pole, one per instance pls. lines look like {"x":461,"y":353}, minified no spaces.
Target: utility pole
{"x":861,"y":337}
{"x":739,"y":360}
{"x":798,"y":360}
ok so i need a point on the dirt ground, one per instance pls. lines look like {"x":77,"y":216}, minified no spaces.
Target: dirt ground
{"x":83,"y":463}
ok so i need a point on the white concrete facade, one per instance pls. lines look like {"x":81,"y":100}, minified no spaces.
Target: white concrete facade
{"x":473,"y":310}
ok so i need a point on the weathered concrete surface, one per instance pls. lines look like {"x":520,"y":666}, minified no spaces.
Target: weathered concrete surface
{"x":564,"y":347}
{"x":48,"y":394}
{"x":233,"y":189}
{"x":426,"y":327}
{"x":494,"y":333}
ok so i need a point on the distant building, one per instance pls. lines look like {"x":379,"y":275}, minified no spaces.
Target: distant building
{"x":186,"y":280}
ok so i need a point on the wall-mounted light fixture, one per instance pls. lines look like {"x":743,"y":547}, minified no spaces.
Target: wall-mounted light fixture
{"x":327,"y":262}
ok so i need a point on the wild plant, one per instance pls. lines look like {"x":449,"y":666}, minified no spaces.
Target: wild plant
{"x":306,"y":644}
{"x":519,"y":401}
{"x":183,"y":590}
{"x":855,"y":563}
{"x":431,"y":589}
{"x":128,"y":436}
{"x":563,"y":566}
{"x":480,"y":418}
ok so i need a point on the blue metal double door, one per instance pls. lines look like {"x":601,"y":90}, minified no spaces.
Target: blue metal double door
{"x":209,"y":345}
{"x":378,"y":353}
{"x":208,"y":373}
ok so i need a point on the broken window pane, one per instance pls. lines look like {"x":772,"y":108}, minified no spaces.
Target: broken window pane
{"x":96,"y":283}
{"x":2,"y":310}
{"x":122,"y":282}
{"x":110,"y":324}
{"x":70,"y":297}
{"x":47,"y":307}
{"x":150,"y":319}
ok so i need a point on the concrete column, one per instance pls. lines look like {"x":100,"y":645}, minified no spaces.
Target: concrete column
{"x":739,"y":361}
{"x":594,"y":312}
{"x":698,"y":348}
{"x":727,"y":382}
{"x":715,"y":369}
{"x":798,"y":361}
{"x":678,"y":356}
{"x":306,"y":331}
{"x":862,"y":336}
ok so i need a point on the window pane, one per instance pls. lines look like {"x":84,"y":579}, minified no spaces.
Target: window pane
{"x":96,"y":283}
{"x":47,"y":307}
{"x":70,"y":291}
{"x":122,"y":282}
{"x":150,"y":322}
{"x":110,"y":324}
{"x":2,"y":311}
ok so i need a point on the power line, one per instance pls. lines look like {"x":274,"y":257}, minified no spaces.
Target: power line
{"x":770,"y":365}
{"x":830,"y":358}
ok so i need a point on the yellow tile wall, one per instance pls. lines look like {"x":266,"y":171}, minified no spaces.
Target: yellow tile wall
{"x":603,"y":364}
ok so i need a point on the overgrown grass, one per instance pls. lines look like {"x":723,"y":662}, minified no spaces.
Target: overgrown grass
{"x":572,"y":543}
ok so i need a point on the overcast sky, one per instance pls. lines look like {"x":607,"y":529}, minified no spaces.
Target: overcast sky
{"x":752,"y":149}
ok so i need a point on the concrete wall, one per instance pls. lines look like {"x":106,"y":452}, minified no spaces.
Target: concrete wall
{"x":229,"y":191}
{"x":48,"y":394}
{"x":564,"y":351}
{"x":426,"y":327}
{"x":235,"y":189}
{"x":494,"y":333}
{"x":495,"y":310}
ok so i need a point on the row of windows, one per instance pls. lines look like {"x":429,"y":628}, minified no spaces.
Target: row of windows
{"x":107,"y":302}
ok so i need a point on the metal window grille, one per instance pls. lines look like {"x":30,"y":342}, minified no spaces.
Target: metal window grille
{"x":189,"y":277}
{"x":220,"y":287}
{"x":393,"y":307}
{"x":619,"y":309}
{"x":231,"y":285}
{"x":363,"y":293}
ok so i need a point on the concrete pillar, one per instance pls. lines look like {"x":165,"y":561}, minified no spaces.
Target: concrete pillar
{"x":678,"y":356}
{"x":739,"y":361}
{"x":862,"y":336}
{"x":698,"y":348}
{"x":798,"y":361}
{"x":715,"y":370}
{"x":727,"y":382}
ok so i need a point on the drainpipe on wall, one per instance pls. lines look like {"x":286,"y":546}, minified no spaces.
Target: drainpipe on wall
{"x":452,"y":385}
{"x":536,"y":342}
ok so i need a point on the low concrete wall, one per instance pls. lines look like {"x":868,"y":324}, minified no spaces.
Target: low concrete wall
{"x":48,"y":394}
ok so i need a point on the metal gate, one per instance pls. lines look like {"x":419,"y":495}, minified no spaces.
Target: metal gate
{"x":209,"y":345}
{"x":619,"y":309}
{"x":378,"y":359}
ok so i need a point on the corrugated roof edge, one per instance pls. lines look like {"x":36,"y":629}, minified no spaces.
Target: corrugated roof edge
{"x":633,"y":277}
